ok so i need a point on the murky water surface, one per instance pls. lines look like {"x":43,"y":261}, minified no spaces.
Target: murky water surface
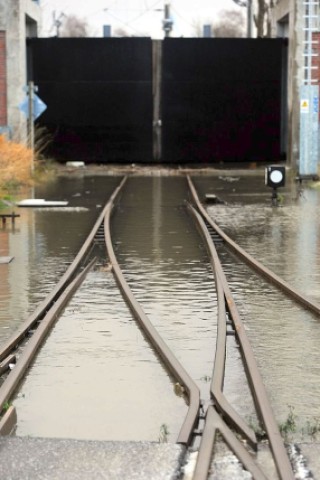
{"x":96,"y":376}
{"x":284,"y":336}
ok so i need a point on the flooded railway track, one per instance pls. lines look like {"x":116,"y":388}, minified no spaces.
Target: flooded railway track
{"x":202,"y":420}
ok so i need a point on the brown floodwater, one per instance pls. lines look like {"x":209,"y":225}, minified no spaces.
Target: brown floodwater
{"x":284,"y":336}
{"x":96,"y":376}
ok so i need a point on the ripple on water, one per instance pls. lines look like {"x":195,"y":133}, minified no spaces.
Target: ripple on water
{"x":284,"y":336}
{"x":90,"y":350}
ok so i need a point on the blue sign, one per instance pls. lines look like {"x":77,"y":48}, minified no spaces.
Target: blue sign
{"x":315,"y":104}
{"x":38,"y":106}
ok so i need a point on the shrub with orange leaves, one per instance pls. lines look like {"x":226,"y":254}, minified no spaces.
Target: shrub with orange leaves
{"x":15,"y":163}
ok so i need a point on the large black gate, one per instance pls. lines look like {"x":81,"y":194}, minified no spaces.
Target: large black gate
{"x":217,"y":100}
{"x":221,"y":100}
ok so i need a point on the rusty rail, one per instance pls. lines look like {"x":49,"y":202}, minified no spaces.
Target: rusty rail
{"x":252,"y":262}
{"x":49,"y":310}
{"x":217,"y":414}
{"x":46,"y":304}
{"x":29,"y":352}
{"x":259,"y":393}
{"x":215,"y":423}
{"x":41,"y":322}
{"x":170,"y":361}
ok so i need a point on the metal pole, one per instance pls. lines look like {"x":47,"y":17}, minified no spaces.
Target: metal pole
{"x":166,"y":16}
{"x":156,"y":79}
{"x":249,"y":19}
{"x":167,"y":21}
{"x":31,"y":122}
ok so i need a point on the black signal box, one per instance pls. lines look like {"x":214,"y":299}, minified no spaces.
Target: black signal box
{"x":275,"y":176}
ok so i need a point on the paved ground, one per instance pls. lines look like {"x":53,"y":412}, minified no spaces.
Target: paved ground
{"x":304,"y":457}
{"x":23,"y":458}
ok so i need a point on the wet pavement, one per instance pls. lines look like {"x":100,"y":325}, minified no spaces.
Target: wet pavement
{"x":54,"y":459}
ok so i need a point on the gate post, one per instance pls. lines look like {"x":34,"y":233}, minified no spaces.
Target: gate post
{"x":156,"y":88}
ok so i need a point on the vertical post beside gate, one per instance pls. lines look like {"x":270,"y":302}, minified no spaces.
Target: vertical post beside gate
{"x":309,"y":95}
{"x":156,"y":80}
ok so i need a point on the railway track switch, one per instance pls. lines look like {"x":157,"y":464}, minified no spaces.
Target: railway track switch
{"x":275,"y":177}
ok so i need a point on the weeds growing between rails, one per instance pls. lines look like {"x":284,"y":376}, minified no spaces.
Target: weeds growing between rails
{"x":289,"y":427}
{"x":164,"y":433}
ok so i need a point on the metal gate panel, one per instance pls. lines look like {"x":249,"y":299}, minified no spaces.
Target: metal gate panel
{"x":99,"y":97}
{"x":221,"y":100}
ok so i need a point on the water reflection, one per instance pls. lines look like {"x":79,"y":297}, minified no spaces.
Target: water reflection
{"x":285,"y":338}
{"x":97,"y":377}
{"x":43,"y":242}
{"x":170,"y":275}
{"x":167,"y":268}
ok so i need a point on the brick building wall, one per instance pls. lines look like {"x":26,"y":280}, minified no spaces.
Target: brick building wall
{"x":3,"y":80}
{"x":316,"y":59}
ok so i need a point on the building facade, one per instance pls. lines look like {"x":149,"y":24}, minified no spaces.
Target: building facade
{"x":19,"y":19}
{"x":291,"y":21}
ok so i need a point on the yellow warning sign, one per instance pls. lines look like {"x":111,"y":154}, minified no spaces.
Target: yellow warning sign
{"x":304,"y":105}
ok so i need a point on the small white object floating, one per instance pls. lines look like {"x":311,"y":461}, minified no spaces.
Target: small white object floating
{"x":212,"y":198}
{"x":41,"y":202}
{"x":4,"y":260}
{"x":75,"y":164}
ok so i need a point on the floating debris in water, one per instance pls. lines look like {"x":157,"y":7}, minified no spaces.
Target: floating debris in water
{"x":41,"y":202}
{"x":179,"y":389}
{"x":214,"y":199}
{"x":229,"y":179}
{"x":75,"y":164}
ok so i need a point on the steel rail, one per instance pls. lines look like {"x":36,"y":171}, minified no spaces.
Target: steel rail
{"x":221,"y":402}
{"x":13,"y":379}
{"x":255,"y":380}
{"x":252,"y":262}
{"x":49,"y":300}
{"x":167,"y":356}
{"x":213,"y":421}
{"x":217,"y":382}
{"x":8,"y":421}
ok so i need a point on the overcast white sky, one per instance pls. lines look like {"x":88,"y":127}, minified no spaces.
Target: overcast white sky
{"x":136,"y":17}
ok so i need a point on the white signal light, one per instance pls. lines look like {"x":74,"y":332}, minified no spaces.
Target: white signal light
{"x":275,"y":176}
